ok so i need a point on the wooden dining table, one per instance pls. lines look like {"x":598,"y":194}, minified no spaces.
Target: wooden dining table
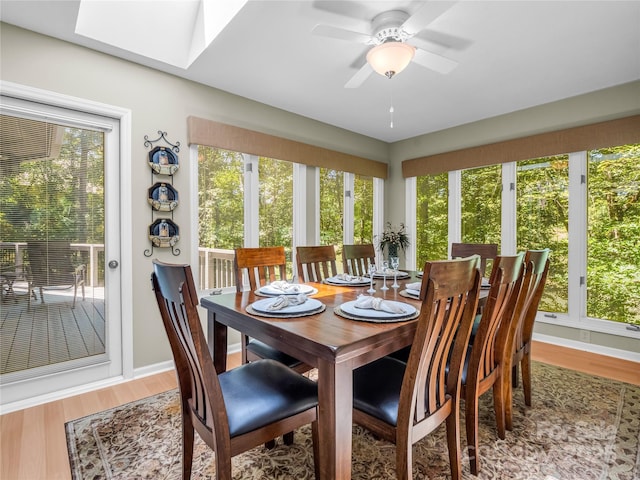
{"x":332,"y":344}
{"x":335,"y":345}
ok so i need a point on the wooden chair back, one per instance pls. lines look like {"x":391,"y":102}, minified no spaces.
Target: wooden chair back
{"x":521,"y":330}
{"x":316,"y":263}
{"x":485,"y":362}
{"x":430,"y":389}
{"x":357,"y":258}
{"x":201,"y":394}
{"x":262,"y":265}
{"x":487,"y":251}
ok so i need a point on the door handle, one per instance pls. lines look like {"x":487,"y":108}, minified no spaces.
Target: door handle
{"x":113,"y":264}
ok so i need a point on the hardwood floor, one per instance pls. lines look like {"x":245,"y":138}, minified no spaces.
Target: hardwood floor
{"x":33,"y":443}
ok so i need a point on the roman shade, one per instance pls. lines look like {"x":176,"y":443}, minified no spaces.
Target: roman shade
{"x":611,"y":133}
{"x":229,"y":137}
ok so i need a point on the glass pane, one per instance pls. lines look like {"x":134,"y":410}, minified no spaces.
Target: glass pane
{"x":331,"y":206}
{"x":543,"y":222}
{"x":432,"y":218}
{"x":52,"y":244}
{"x":613,"y":252}
{"x":482,"y":205}
{"x":363,"y":209}
{"x":220,"y":215}
{"x":276,"y":205}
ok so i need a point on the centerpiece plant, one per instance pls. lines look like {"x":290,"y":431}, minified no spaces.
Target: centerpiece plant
{"x":393,"y":239}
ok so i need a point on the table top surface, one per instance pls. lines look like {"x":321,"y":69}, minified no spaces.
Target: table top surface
{"x":326,"y":333}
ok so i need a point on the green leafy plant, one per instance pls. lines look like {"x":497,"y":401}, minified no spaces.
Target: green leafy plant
{"x":393,"y":239}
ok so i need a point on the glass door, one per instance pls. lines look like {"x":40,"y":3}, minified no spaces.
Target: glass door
{"x":56,"y":301}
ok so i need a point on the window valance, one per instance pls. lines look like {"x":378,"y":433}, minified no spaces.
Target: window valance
{"x":229,"y":137}
{"x":611,"y":133}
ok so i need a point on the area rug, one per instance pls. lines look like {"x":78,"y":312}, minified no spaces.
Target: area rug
{"x":580,"y":427}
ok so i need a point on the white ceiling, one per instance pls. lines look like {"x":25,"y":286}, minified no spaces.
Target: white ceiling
{"x":511,"y":54}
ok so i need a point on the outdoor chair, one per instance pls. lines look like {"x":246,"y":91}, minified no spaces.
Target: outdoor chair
{"x":50,"y":267}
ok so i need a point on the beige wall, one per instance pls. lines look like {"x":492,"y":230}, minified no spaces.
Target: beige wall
{"x":158,"y":102}
{"x":163,"y":102}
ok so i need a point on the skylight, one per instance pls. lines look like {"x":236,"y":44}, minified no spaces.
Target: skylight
{"x":175,"y":32}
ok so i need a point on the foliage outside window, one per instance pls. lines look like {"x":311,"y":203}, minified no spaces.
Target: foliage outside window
{"x":432,"y":218}
{"x":543,"y":221}
{"x":613,"y":240}
{"x":276,"y":205}
{"x":331,"y":206}
{"x":363,"y":209}
{"x":482,"y":204}
{"x":221,"y":198}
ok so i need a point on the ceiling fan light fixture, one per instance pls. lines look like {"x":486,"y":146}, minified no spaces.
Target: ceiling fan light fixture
{"x":390,"y":58}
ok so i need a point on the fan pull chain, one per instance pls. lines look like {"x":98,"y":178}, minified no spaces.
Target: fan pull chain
{"x":391,"y":107}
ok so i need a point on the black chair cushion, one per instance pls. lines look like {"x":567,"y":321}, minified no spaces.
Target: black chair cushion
{"x":402,"y":354}
{"x":376,"y":388}
{"x":263,"y":350}
{"x":263,"y":392}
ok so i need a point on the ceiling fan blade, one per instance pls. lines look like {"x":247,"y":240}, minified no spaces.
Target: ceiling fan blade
{"x":427,"y":13}
{"x":341,"y":34}
{"x":433,"y":61}
{"x":360,"y":76}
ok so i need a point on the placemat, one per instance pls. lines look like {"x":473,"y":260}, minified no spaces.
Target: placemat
{"x":406,"y":294}
{"x":251,"y":311}
{"x":338,"y":311}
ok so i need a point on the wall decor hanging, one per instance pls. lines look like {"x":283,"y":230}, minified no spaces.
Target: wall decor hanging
{"x":162,"y":196}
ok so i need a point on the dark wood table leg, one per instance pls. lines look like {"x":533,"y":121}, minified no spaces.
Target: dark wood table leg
{"x":335,"y":398}
{"x":217,"y":341}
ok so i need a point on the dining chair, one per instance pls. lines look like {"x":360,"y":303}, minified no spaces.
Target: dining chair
{"x":357,"y":258}
{"x":521,"y":329}
{"x":485,"y":359}
{"x":232,"y":411}
{"x":262,"y":265}
{"x":50,"y":264}
{"x":316,"y":263}
{"x":404,"y":402}
{"x":487,"y":251}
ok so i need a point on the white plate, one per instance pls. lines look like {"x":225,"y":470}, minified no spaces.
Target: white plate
{"x":413,"y":293}
{"x":351,"y":309}
{"x":302,"y":288}
{"x":308,"y":306}
{"x":337,"y":281}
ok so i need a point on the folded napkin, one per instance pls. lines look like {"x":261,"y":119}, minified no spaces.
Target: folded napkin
{"x":413,"y":286}
{"x":345,"y":277}
{"x":287,"y":300}
{"x":375,"y":303}
{"x":285,"y":287}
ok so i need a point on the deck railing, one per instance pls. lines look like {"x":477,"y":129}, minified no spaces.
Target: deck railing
{"x":215,"y":265}
{"x":12,"y":258}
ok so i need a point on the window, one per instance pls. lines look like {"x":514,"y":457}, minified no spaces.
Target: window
{"x":613,"y":240}
{"x":543,"y":221}
{"x":276,"y":205}
{"x":481,"y":204}
{"x":432,"y":218}
{"x":362,"y":209}
{"x":602,"y":194}
{"x":331,"y":206}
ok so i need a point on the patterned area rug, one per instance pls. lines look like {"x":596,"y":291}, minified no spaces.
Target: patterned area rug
{"x":580,"y":427}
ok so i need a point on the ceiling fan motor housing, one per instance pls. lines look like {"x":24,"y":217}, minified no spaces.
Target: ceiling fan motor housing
{"x":387,"y":27}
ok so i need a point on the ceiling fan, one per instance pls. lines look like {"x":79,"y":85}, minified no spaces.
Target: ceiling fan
{"x":394,"y":42}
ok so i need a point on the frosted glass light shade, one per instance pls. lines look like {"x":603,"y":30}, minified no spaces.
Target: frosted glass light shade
{"x":390,"y":58}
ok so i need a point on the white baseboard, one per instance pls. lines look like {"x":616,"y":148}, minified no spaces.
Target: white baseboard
{"x":588,"y":347}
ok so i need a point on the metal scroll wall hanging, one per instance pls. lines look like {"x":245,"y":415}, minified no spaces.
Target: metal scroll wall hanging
{"x":162,"y":197}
